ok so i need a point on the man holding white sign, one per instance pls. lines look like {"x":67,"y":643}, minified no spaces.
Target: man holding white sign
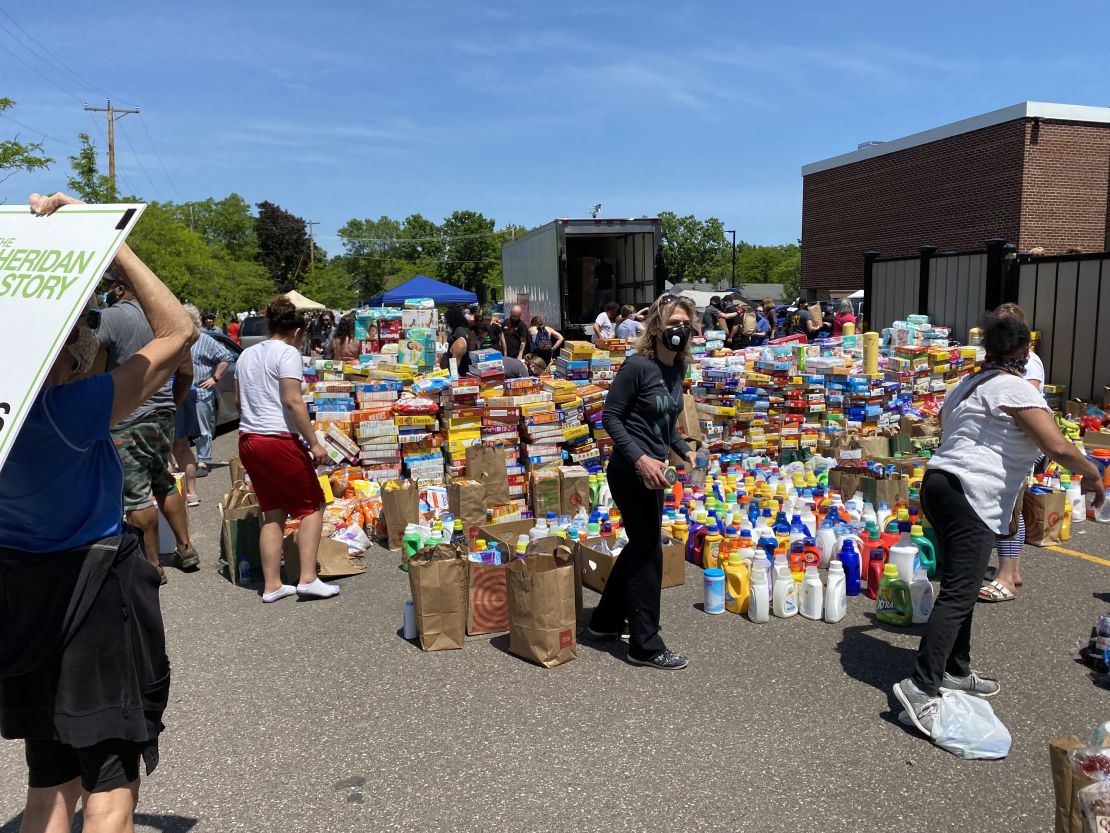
{"x":84,"y":677}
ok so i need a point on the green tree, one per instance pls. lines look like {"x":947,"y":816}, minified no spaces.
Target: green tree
{"x":692,"y":248}
{"x":473,"y":253}
{"x":87,"y":182}
{"x":226,"y":224}
{"x":770,"y":264}
{"x":370,"y":253}
{"x":283,"y":246}
{"x":331,"y":284}
{"x":421,"y":239}
{"x":18,"y":156}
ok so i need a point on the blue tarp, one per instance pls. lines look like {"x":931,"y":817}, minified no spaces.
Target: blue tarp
{"x":423,"y":287}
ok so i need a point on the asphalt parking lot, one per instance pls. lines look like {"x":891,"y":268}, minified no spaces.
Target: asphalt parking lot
{"x":319,"y":716}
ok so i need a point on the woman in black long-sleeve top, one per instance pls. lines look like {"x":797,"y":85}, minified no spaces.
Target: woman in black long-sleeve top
{"x":641,"y":415}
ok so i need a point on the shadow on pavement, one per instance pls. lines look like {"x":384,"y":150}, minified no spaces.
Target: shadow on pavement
{"x":872,"y":660}
{"x":143,"y":821}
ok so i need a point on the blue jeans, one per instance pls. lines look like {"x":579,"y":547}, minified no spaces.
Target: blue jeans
{"x":206,"y":416}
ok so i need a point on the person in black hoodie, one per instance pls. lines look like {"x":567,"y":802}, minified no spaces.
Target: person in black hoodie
{"x":641,"y":415}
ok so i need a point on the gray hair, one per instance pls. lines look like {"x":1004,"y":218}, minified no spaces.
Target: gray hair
{"x":193,"y":313}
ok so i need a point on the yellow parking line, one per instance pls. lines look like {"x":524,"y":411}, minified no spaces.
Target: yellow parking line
{"x":1082,"y":555}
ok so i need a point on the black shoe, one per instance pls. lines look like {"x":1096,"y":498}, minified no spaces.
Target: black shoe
{"x":664,"y":660}
{"x":202,"y":471}
{"x":606,"y":634}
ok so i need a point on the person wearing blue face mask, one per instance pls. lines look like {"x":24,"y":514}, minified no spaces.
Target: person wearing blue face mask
{"x":641,"y":415}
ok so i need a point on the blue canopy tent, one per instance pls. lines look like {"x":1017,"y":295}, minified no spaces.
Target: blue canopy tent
{"x":423,"y":287}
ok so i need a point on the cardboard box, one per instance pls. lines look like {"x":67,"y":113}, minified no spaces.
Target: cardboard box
{"x":596,"y":565}
{"x":674,"y":564}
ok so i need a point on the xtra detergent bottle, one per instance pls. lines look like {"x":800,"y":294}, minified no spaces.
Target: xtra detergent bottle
{"x":928,"y":555}
{"x":811,"y":598}
{"x":759,"y":605}
{"x":711,"y":548}
{"x":894,"y":604}
{"x":836,"y":597}
{"x":737,"y":584}
{"x":921,"y":596}
{"x":696,"y":539}
{"x":851,"y":561}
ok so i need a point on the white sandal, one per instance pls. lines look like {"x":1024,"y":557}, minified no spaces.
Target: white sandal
{"x":996,"y":591}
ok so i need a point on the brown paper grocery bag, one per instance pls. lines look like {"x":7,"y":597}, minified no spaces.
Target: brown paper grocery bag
{"x":845,"y":480}
{"x":466,"y":499}
{"x":487,"y":466}
{"x":541,"y":608}
{"x":333,"y":559}
{"x":574,"y":489}
{"x":888,"y":490}
{"x":236,"y":470}
{"x":400,"y":507}
{"x":1044,"y":517}
{"x":1067,"y":781}
{"x":438,"y":580}
{"x":874,"y":447}
{"x":487,"y":609}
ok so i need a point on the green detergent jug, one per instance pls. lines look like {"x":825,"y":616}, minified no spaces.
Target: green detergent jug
{"x":894,"y":605}
{"x":928,"y":552}
{"x":934,"y":539}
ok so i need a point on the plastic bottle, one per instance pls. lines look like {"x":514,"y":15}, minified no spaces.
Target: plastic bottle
{"x":737,"y":584}
{"x":595,"y":489}
{"x":411,"y":541}
{"x":784,"y":594}
{"x":882,"y":515}
{"x":540,"y":530}
{"x":746,"y":546}
{"x":876,"y":561}
{"x":768,"y":543}
{"x":927,"y":554}
{"x":521,"y":545}
{"x":245,"y":572}
{"x":811,"y":598}
{"x":696,"y":538}
{"x":798,"y":530}
{"x":762,"y":565}
{"x":921,"y":597}
{"x":894,"y":604}
{"x":796,"y":558}
{"x":826,"y":542}
{"x":730,"y":544}
{"x":410,"y":620}
{"x":836,"y":601}
{"x":1076,"y":503}
{"x":869,"y":515}
{"x":759,"y":601}
{"x":904,"y":554}
{"x":711,"y":548}
{"x":458,"y":537}
{"x":851,"y":561}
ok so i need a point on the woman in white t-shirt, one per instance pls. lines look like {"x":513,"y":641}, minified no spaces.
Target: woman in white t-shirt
{"x":1008,"y":577}
{"x":995,"y":426}
{"x":273,"y":420}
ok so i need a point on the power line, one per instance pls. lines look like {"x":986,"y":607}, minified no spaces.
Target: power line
{"x":40,"y":73}
{"x":126,"y":138}
{"x":158,"y":156}
{"x":78,"y":78}
{"x":39,"y":132}
{"x":443,"y":239}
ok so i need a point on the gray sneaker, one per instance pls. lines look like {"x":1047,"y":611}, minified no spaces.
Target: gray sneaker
{"x":971,"y":684}
{"x":920,"y":707}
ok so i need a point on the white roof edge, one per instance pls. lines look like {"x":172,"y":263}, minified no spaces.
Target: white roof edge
{"x":1027,"y":109}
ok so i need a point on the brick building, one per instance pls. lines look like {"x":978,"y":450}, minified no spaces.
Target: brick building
{"x":1034,"y":174}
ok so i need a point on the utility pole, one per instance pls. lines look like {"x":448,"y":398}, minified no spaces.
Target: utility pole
{"x":311,"y":244}
{"x":113,"y":114}
{"x":732,"y":231}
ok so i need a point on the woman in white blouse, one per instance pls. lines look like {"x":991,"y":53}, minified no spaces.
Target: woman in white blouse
{"x":995,"y":426}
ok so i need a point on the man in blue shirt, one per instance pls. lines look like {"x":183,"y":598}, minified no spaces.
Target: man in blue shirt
{"x":210,"y":362}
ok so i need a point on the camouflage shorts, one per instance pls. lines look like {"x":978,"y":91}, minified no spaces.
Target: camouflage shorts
{"x":144,"y":449}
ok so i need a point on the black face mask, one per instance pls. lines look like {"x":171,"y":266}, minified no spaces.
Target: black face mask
{"x":675,"y":338}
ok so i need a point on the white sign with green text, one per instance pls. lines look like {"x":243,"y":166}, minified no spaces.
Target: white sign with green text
{"x":49,"y":267}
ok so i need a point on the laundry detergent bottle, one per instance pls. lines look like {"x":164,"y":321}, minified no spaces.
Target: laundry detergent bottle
{"x":737,"y":584}
{"x":894,"y":605}
{"x":836,"y":597}
{"x":928,"y":555}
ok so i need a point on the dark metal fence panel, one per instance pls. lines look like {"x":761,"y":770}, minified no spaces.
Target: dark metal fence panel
{"x":1067,"y":300}
{"x":895,"y":287}
{"x":957,"y":289}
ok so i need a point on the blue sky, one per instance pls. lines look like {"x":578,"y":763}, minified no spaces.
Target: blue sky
{"x":524,"y":111}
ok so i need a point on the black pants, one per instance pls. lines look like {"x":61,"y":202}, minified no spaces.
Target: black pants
{"x":636,"y":583}
{"x":967,"y":543}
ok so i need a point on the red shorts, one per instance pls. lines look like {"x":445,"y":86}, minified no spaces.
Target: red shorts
{"x":282,"y":473}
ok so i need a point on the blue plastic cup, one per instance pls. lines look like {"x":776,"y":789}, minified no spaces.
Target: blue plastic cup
{"x":714,"y":590}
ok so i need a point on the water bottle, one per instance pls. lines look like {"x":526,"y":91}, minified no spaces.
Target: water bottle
{"x":244,"y":572}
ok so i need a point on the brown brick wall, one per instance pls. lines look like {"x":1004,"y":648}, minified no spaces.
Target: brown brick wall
{"x":1067,"y":173}
{"x":954,"y":193}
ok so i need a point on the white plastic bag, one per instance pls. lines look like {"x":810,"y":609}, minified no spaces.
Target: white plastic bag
{"x":967,"y":727}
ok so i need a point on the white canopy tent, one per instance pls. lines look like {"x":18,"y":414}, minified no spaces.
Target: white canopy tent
{"x":302,"y":303}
